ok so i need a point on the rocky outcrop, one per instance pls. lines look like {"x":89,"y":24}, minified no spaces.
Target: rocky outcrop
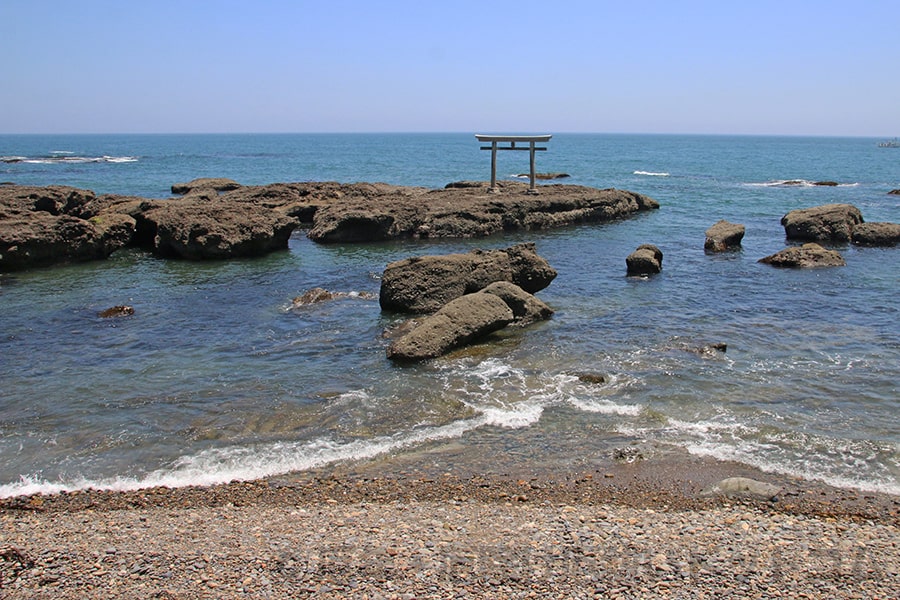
{"x":895,"y":192}
{"x":724,"y":236}
{"x":830,"y":223}
{"x":645,"y":260}
{"x":39,"y":226}
{"x":876,"y":234}
{"x":425,"y":284}
{"x":219,"y":218}
{"x":215,"y":184}
{"x":215,"y":231}
{"x":809,"y":255}
{"x":466,"y":209}
{"x":459,"y":322}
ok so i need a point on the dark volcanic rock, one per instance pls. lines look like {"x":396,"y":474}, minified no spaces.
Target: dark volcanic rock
{"x":809,"y":255}
{"x":461,"y":321}
{"x":895,"y":192}
{"x":724,"y":236}
{"x":468,"y":210}
{"x":876,"y":234}
{"x":424,"y":284}
{"x":645,"y":260}
{"x":830,"y":223}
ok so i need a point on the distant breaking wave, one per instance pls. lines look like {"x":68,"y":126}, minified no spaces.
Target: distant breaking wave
{"x":65,"y":157}
{"x":800,"y":183}
{"x":651,"y":174}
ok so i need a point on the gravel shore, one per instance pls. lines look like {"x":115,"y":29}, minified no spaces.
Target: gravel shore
{"x":630,"y":531}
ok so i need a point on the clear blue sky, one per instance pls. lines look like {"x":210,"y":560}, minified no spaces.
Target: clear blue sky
{"x":635,"y":66}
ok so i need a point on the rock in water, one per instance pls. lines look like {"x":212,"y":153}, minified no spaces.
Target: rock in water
{"x":876,"y":234}
{"x":459,"y":322}
{"x":645,"y":260}
{"x":116,"y":311}
{"x":806,"y":256}
{"x":830,"y":223}
{"x":724,"y":236}
{"x":425,"y":284}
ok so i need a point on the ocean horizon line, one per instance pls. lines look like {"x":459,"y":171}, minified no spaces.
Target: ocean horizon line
{"x":450,"y":132}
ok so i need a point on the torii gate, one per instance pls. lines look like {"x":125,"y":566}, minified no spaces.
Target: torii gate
{"x":512,"y":140}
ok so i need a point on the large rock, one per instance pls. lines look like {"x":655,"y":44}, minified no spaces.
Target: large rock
{"x":724,"y":236}
{"x":525,"y":307}
{"x":216,"y":231}
{"x":809,"y":255}
{"x":830,"y":223}
{"x":424,"y":284}
{"x":459,"y":322}
{"x":466,"y":209}
{"x":876,"y":234}
{"x":645,"y":260}
{"x":37,"y":227}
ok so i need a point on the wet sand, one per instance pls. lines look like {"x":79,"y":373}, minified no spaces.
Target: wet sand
{"x":409,"y":527}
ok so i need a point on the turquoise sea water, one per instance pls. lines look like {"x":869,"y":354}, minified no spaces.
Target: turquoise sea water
{"x":214,"y":378}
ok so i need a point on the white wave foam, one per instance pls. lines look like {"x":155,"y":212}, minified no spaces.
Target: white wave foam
{"x":242,"y":463}
{"x":760,"y":455}
{"x":68,"y":159}
{"x":848,"y":465}
{"x":798,"y":183}
{"x":651,"y":173}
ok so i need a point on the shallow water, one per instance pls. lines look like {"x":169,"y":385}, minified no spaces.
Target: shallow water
{"x":215,"y":378}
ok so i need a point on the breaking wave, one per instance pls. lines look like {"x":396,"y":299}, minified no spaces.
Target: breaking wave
{"x":65,"y":157}
{"x":800,"y":183}
{"x":651,"y":173}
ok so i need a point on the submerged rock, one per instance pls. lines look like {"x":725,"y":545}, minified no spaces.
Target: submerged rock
{"x":809,"y":255}
{"x":116,"y":311}
{"x":743,"y":486}
{"x":424,"y":284}
{"x":645,"y":260}
{"x":317,"y":295}
{"x":724,"y":236}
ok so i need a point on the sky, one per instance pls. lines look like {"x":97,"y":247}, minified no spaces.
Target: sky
{"x":490,"y":66}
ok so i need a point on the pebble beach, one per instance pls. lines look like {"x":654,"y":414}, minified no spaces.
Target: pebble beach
{"x":405,"y":530}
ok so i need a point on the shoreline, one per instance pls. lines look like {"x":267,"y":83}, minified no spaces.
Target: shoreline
{"x":404,"y":528}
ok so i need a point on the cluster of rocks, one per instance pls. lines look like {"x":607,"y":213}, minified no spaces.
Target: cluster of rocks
{"x":828,"y":224}
{"x":468,"y":295}
{"x":219,"y":218}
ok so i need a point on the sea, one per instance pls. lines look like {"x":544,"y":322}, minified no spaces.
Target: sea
{"x":217,"y":378}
